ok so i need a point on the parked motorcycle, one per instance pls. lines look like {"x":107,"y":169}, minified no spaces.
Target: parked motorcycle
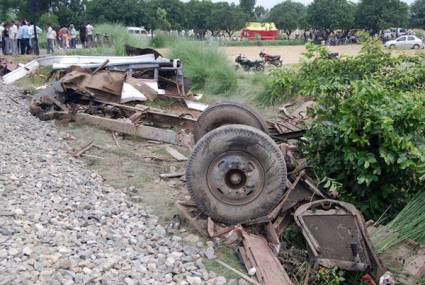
{"x":248,"y":65}
{"x":271,"y":59}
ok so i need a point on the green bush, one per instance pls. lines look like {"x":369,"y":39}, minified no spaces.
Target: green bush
{"x":282,"y":85}
{"x":368,"y":133}
{"x":208,"y":67}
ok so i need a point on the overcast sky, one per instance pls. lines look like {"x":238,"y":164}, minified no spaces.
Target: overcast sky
{"x":271,"y":3}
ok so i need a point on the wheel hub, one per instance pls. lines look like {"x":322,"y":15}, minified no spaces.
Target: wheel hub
{"x":235,"y":178}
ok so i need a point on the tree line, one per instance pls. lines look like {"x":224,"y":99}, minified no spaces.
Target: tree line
{"x":204,"y":15}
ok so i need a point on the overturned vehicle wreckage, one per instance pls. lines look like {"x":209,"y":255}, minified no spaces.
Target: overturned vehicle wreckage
{"x":248,"y":185}
{"x":111,"y":96}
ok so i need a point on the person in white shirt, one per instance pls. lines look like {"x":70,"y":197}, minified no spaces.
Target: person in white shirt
{"x":89,"y":32}
{"x":13,"y":39}
{"x":32,"y":36}
{"x":51,"y":37}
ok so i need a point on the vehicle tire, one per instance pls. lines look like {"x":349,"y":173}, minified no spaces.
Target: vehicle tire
{"x":227,"y":113}
{"x":236,"y":173}
{"x":416,"y":46}
{"x":392,"y":46}
{"x":259,"y":68}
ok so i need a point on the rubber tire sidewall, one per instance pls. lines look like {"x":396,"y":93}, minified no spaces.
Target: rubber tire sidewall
{"x":237,"y":138}
{"x":227,"y":113}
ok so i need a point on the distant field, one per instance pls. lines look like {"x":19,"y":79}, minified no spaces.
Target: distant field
{"x":293,"y":54}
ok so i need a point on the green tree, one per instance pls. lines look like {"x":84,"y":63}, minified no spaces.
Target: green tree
{"x":175,"y":13}
{"x":377,"y":15}
{"x":48,"y":19}
{"x":330,"y":15}
{"x":417,"y":14}
{"x":69,"y":11}
{"x":261,"y":13}
{"x":247,"y":7}
{"x":288,"y":16}
{"x":227,"y":18}
{"x":197,"y":13}
{"x":127,"y":12}
{"x":161,"y":19}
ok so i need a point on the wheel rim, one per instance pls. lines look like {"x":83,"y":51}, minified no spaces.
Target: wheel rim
{"x":235,"y":178}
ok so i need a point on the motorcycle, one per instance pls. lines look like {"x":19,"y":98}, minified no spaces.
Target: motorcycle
{"x":248,"y":65}
{"x":271,"y":59}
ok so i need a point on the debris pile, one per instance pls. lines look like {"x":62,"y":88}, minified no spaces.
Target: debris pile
{"x":7,"y":66}
{"x":109,"y":94}
{"x":245,"y":207}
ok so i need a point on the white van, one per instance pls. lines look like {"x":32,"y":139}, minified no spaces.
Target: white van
{"x":138,"y":31}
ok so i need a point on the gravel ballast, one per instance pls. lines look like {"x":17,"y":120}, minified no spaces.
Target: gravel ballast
{"x":60,"y":224}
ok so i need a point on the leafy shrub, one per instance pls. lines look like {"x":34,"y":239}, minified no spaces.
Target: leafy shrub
{"x":332,"y":276}
{"x":282,"y":85}
{"x":370,"y":142}
{"x":368,"y":133}
{"x":208,"y":67}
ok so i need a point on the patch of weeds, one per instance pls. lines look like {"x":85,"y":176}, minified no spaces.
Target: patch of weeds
{"x":228,"y":256}
{"x":207,"y":65}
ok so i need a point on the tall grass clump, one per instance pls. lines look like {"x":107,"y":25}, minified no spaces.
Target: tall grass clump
{"x":162,"y":40}
{"x":408,"y":224}
{"x":208,"y":67}
{"x":120,"y":37}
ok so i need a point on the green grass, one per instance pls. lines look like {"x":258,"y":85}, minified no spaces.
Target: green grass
{"x":208,"y":66}
{"x":120,"y":37}
{"x":35,"y":80}
{"x":229,"y":257}
{"x":161,"y":40}
{"x":246,"y":43}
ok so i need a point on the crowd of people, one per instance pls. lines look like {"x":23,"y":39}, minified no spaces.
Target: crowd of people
{"x":19,"y":38}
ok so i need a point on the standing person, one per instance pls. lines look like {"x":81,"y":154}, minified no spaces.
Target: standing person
{"x":18,"y":37}
{"x":60,"y":38}
{"x":83,"y":35}
{"x":13,"y":38}
{"x":25,"y":38}
{"x":73,"y":32}
{"x":32,"y":35}
{"x":5,"y":38}
{"x":51,"y":37}
{"x":89,"y":30}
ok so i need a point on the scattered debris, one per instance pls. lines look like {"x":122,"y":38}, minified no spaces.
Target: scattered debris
{"x":244,"y":276}
{"x":21,"y":72}
{"x":174,"y":153}
{"x":257,"y":254}
{"x":83,"y":149}
{"x":114,"y":137}
{"x":234,"y":195}
{"x":7,"y":66}
{"x":172,"y":175}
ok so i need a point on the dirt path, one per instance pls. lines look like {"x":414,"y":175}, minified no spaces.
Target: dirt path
{"x":293,"y":54}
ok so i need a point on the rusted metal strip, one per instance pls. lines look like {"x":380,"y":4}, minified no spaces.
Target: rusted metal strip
{"x":128,"y":128}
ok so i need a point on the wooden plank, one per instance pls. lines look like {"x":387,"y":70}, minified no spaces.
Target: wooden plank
{"x":172,"y":175}
{"x":269,"y":270}
{"x":176,"y":154}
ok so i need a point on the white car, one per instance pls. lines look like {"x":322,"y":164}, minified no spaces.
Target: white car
{"x":406,"y":42}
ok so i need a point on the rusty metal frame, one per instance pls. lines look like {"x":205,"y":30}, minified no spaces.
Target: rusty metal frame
{"x":363,"y":256}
